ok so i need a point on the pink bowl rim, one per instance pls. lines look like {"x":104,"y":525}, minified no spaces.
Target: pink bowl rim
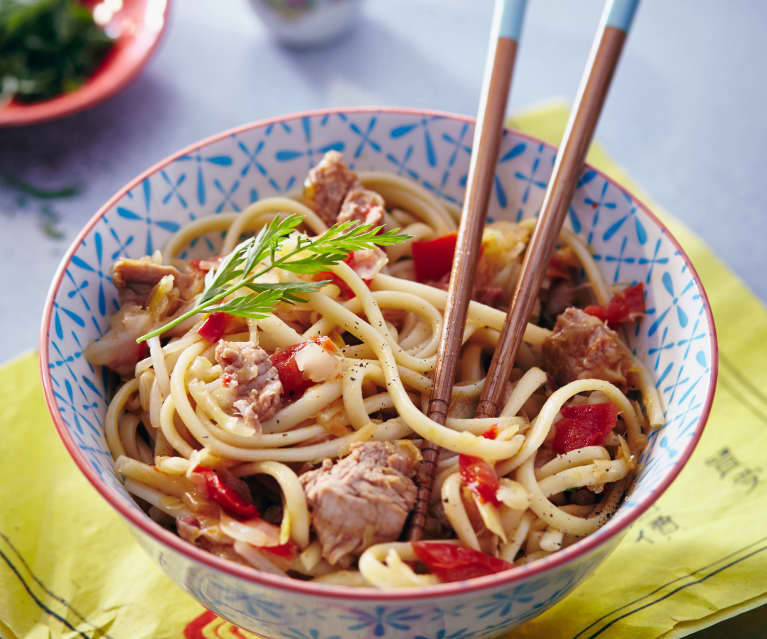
{"x":85,"y":97}
{"x":167,"y":538}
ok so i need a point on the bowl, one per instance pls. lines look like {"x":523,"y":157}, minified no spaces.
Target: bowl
{"x":676,"y":340}
{"x":137,"y":26}
{"x":307,"y":23}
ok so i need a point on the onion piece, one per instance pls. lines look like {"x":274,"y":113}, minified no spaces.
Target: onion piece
{"x":256,"y":532}
{"x":316,"y":363}
{"x":256,"y":559}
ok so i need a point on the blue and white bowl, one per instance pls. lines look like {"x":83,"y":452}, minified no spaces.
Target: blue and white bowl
{"x":676,"y":339}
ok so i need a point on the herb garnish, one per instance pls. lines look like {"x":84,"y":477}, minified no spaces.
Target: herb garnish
{"x":47,"y":47}
{"x":309,"y":255}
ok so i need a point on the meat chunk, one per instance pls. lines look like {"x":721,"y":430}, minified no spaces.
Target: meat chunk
{"x":582,"y":346}
{"x":362,"y":499}
{"x":326,"y":186}
{"x":135,"y":280}
{"x":250,"y":374}
{"x":141,"y":310}
{"x":558,"y":297}
{"x":363,"y":206}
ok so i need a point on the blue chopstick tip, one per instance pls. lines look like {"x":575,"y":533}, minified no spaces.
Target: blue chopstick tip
{"x":620,"y":14}
{"x":509,"y":15}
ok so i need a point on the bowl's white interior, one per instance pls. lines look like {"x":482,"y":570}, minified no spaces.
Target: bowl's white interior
{"x":234,"y":170}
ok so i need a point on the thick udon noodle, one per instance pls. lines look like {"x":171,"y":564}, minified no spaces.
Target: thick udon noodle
{"x":175,"y":396}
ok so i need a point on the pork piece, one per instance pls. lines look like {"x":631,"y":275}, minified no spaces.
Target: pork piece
{"x":250,"y":374}
{"x":139,"y":313}
{"x":326,"y":186}
{"x":558,"y":297}
{"x":135,"y":280}
{"x":582,"y":346}
{"x":363,"y":499}
{"x":363,"y":206}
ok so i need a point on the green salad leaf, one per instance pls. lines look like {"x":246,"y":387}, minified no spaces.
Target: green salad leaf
{"x":47,"y":47}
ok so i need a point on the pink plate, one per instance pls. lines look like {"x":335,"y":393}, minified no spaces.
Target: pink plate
{"x":137,"y":26}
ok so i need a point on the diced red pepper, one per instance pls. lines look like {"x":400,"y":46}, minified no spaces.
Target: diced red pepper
{"x":434,"y":258}
{"x":451,"y":562}
{"x":293,"y":381}
{"x":491,"y":433}
{"x":215,"y":326}
{"x":288,"y":550}
{"x":585,"y":425}
{"x":346,"y":291}
{"x":232,"y":502}
{"x":625,"y":306}
{"x":478,"y":475}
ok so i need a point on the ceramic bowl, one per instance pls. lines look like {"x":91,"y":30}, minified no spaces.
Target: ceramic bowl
{"x":676,"y":339}
{"x":137,"y":27}
{"x":307,"y":23}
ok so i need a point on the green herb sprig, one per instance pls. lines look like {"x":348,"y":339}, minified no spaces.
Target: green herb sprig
{"x":239,"y":270}
{"x":47,"y":47}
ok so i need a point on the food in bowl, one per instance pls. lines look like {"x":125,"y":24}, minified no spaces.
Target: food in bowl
{"x":675,"y":339}
{"x":47,"y":47}
{"x":271,"y":409}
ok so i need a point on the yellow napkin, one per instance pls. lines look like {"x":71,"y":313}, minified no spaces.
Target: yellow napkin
{"x":69,"y":568}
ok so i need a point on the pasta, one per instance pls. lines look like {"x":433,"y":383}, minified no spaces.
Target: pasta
{"x":290,"y":441}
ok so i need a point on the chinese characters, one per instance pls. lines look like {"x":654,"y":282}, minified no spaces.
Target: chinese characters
{"x":727,"y":465}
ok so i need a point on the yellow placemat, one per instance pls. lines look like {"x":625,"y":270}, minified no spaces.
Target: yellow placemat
{"x":69,"y":568}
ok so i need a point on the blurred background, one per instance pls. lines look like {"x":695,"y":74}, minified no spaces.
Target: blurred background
{"x":685,"y":116}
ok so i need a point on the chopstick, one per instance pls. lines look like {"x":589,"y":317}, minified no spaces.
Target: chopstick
{"x":603,"y":59}
{"x":505,"y":32}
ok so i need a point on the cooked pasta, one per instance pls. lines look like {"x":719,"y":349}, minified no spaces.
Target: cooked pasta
{"x":290,"y":441}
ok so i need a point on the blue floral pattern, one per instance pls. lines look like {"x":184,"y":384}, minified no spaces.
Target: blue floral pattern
{"x":228,"y":174}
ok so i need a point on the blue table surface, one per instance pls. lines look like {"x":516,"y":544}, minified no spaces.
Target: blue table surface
{"x":685,"y":115}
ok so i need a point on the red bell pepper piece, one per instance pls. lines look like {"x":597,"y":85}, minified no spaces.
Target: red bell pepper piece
{"x":451,"y":562}
{"x":293,"y":381}
{"x":232,"y":502}
{"x":625,"y":306}
{"x":288,"y":550}
{"x":585,"y":425}
{"x":215,"y":326}
{"x":346,"y":291}
{"x":478,"y":475}
{"x":491,"y":433}
{"x":434,"y":258}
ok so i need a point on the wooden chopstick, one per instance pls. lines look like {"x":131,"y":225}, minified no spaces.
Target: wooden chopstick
{"x":604,"y":56}
{"x":506,"y":28}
